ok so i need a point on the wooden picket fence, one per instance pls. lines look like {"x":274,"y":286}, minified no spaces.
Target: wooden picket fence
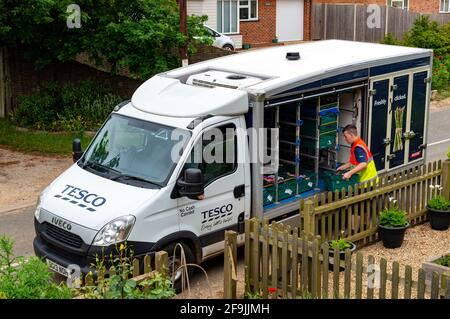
{"x":297,"y":266}
{"x":353,"y":214}
{"x":159,"y":262}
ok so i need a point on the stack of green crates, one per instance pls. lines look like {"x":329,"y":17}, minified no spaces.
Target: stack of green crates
{"x":327,"y":132}
{"x":333,"y":180}
{"x":288,"y":187}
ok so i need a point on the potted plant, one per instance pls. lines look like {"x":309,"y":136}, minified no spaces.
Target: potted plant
{"x":438,"y":210}
{"x":392,"y":227}
{"x":275,"y":40}
{"x":342,"y":245}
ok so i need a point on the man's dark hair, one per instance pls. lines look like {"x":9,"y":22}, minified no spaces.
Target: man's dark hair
{"x":351,"y":129}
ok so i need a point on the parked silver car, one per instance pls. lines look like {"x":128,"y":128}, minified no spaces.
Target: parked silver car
{"x":220,"y":40}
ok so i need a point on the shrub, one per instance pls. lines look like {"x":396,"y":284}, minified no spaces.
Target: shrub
{"x":428,"y":34}
{"x":439,"y":203}
{"x":29,"y":280}
{"x":66,"y":108}
{"x":393,"y":217}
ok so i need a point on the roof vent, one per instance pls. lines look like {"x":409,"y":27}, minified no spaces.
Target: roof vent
{"x":236,"y":77}
{"x":292,"y":56}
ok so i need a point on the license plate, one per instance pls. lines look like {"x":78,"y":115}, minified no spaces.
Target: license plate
{"x":58,"y":268}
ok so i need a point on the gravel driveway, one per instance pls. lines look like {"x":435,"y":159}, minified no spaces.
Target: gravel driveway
{"x":24,"y":176}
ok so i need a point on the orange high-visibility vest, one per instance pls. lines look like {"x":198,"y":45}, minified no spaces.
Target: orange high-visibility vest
{"x":370,"y":172}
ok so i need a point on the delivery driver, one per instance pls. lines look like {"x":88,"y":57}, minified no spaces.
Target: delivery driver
{"x":361,"y":159}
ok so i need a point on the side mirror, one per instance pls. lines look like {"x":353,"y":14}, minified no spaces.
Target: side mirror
{"x":76,"y":150}
{"x":191,"y":185}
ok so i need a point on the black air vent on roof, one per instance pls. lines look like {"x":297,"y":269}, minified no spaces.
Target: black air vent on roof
{"x":236,"y":77}
{"x":293,"y":56}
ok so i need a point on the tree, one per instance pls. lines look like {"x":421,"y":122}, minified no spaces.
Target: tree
{"x":141,"y":35}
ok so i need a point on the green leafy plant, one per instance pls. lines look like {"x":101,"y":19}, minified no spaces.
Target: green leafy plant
{"x":341,"y":244}
{"x":253,"y":295}
{"x":439,"y":203}
{"x":393,"y":217}
{"x":157,"y":286}
{"x":26,"y":279}
{"x":120,"y":285}
{"x":448,"y":153}
{"x":444,"y":261}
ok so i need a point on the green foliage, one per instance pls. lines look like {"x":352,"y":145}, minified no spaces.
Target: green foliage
{"x":444,"y":261}
{"x":72,"y":108}
{"x":390,"y":40}
{"x":448,"y":153}
{"x":341,"y":244}
{"x":157,"y":286}
{"x":439,"y":203}
{"x":393,"y":217}
{"x":429,"y":35}
{"x":120,"y":285}
{"x":142,"y":35}
{"x":30,"y":279}
{"x":252,"y":295}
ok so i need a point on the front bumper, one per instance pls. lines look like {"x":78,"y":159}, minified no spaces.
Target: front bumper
{"x":84,"y":257}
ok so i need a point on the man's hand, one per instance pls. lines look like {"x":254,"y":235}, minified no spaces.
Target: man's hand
{"x":347,"y":176}
{"x":340,"y":168}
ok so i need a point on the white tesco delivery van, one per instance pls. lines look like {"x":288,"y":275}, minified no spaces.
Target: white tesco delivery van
{"x":137,"y":182}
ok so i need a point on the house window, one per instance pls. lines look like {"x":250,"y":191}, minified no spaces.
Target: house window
{"x":402,"y":4}
{"x":227,"y":16}
{"x":248,"y":10}
{"x":445,"y":6}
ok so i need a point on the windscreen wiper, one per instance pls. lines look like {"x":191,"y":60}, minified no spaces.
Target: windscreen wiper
{"x":101,"y":166}
{"x":135,"y":178}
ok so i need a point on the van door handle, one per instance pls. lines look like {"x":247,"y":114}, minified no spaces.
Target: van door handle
{"x":239,"y":191}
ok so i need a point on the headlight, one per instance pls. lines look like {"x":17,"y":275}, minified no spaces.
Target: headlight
{"x":115,"y":231}
{"x":37,"y":212}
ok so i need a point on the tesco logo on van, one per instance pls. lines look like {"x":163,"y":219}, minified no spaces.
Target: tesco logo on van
{"x":81,"y":197}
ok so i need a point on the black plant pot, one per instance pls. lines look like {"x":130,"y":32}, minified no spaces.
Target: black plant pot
{"x":341,"y":256}
{"x":439,"y":219}
{"x":392,"y":237}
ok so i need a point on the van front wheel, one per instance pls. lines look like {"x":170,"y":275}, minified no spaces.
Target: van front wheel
{"x":175,"y":263}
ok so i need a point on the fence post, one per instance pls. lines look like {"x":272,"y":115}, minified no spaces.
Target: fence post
{"x":308,"y":218}
{"x":162,"y":262}
{"x":230,"y":260}
{"x":446,"y":178}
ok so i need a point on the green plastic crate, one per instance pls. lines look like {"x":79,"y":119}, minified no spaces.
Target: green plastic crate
{"x":268,"y":195}
{"x":309,"y":145}
{"x":329,"y":128}
{"x":327,"y":140}
{"x":334,"y":181}
{"x":328,"y":119}
{"x":287,"y":189}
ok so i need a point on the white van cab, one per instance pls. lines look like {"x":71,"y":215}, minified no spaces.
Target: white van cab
{"x":137,"y":181}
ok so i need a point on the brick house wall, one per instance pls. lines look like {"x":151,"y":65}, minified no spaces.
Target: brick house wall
{"x":263,"y":31}
{"x":422,"y":6}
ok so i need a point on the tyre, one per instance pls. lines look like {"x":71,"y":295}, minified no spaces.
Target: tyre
{"x":175,"y":263}
{"x":228,"y":47}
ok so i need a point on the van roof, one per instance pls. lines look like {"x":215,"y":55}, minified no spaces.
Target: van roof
{"x":318,"y":60}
